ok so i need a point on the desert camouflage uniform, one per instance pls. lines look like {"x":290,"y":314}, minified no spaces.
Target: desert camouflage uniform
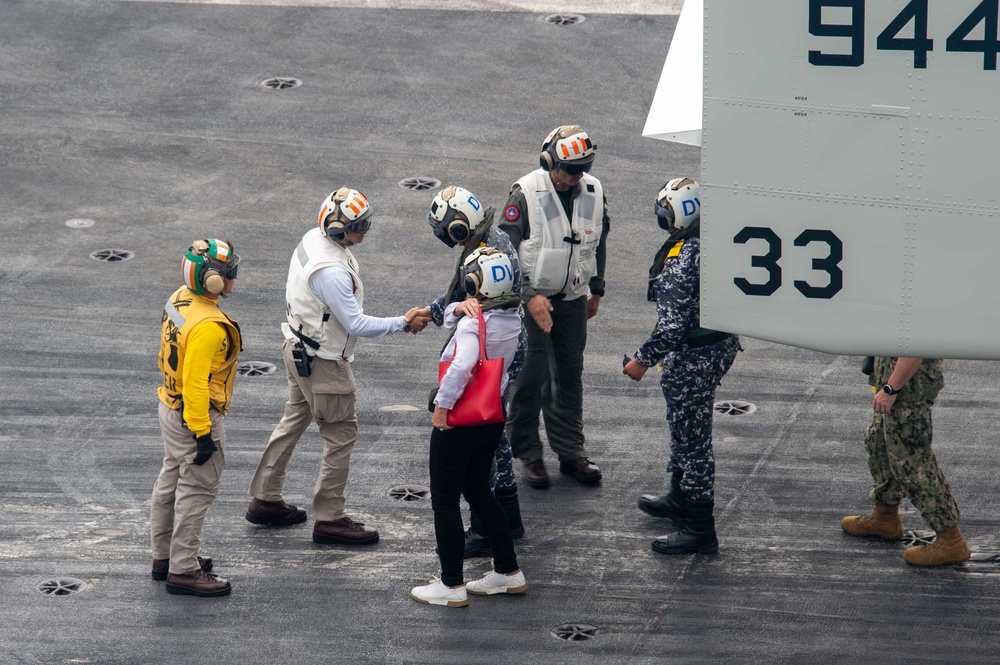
{"x":502,"y":475}
{"x":689,"y":375}
{"x":900,"y":458}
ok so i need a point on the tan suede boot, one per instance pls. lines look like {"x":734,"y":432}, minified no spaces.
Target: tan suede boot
{"x":949,"y":547}
{"x":883,"y":522}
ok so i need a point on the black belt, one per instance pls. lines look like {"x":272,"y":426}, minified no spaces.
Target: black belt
{"x":558,"y":296}
{"x":706,"y":340}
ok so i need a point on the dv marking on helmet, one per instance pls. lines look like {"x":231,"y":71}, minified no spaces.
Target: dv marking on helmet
{"x":501,"y":273}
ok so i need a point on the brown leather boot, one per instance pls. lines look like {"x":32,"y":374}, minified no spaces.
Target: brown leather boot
{"x":344,"y":531}
{"x":535,"y":474}
{"x":949,"y":547}
{"x":582,"y":469}
{"x":275,"y":513}
{"x":198,"y":583}
{"x":883,"y":522}
{"x":161,"y":567}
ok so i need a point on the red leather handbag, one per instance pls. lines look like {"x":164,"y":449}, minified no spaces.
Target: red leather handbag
{"x":481,"y":403}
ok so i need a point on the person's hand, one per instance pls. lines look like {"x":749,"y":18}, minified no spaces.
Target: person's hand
{"x":883,"y":401}
{"x":634,"y":370}
{"x":540,"y":309}
{"x":593,"y":302}
{"x":206,"y":446}
{"x":417,"y":319}
{"x":440,"y":418}
{"x":469,"y":307}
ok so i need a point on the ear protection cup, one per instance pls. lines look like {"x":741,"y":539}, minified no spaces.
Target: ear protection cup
{"x":214,"y":282}
{"x":472,"y":283}
{"x":336,"y":229}
{"x":458,"y":229}
{"x":545,"y":160}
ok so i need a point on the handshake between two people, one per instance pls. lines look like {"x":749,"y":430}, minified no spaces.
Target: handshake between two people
{"x":417,"y":319}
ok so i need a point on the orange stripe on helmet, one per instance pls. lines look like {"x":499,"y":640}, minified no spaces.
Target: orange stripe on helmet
{"x":322,"y":215}
{"x":190,"y":277}
{"x":564,"y":150}
{"x":364,"y":200}
{"x":355,"y":208}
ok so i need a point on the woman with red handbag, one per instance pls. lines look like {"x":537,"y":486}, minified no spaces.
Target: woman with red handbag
{"x":468,"y":422}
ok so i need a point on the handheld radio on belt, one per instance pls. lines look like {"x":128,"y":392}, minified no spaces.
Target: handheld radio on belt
{"x":303,"y":361}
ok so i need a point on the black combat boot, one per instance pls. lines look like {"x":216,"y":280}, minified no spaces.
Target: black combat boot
{"x":508,"y":501}
{"x":697,"y":535}
{"x":670,"y":505}
{"x":476,"y":542}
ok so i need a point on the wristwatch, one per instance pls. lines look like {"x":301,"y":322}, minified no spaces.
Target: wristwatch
{"x":889,"y":390}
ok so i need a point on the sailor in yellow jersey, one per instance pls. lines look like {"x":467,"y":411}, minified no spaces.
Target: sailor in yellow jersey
{"x":199,"y":347}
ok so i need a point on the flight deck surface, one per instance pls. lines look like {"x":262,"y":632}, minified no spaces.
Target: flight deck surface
{"x":128,"y":129}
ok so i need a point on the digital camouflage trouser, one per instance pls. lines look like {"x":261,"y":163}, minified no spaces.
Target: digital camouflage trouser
{"x":689,"y":380}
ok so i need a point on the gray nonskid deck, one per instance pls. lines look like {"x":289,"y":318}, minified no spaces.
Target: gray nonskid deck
{"x":150,"y":120}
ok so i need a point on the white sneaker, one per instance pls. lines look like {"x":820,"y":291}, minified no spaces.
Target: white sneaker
{"x":438,"y":593}
{"x":494,"y":582}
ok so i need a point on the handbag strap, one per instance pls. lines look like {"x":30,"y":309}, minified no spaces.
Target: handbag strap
{"x":482,"y":339}
{"x":482,"y":336}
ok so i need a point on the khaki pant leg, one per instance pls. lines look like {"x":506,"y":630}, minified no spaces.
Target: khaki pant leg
{"x":269,"y":478}
{"x":333,"y":408}
{"x":196,"y":489}
{"x":161,"y":513}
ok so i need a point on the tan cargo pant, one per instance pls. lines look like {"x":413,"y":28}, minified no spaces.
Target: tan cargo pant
{"x":183,"y":491}
{"x":328,"y":398}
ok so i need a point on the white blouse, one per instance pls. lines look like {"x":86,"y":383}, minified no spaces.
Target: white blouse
{"x":503,"y":327}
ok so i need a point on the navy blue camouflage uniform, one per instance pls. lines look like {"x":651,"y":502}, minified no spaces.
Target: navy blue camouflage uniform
{"x":693,"y":361}
{"x":487,"y":235}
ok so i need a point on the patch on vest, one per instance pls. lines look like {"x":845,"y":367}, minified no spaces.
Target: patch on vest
{"x":511,"y":213}
{"x":590,"y":188}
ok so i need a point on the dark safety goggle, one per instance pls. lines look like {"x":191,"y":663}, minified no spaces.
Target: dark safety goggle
{"x":576,"y":169}
{"x":361,"y":226}
{"x":666,"y":213}
{"x":231,"y":269}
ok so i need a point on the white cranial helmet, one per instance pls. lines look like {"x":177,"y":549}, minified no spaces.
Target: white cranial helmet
{"x":678,"y":204}
{"x":344,"y":210}
{"x":569,"y":148}
{"x":455,"y":214}
{"x":487,"y":273}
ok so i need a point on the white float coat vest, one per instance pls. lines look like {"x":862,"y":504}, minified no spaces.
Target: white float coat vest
{"x":552,"y":264}
{"x":304,"y":309}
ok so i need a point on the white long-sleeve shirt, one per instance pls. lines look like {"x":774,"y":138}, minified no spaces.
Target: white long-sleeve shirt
{"x":335,"y":289}
{"x":503,"y":326}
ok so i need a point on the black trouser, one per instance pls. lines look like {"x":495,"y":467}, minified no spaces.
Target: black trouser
{"x":551,"y":381}
{"x":460,"y":463}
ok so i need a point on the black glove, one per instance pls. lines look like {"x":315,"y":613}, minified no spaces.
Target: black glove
{"x":206,"y":446}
